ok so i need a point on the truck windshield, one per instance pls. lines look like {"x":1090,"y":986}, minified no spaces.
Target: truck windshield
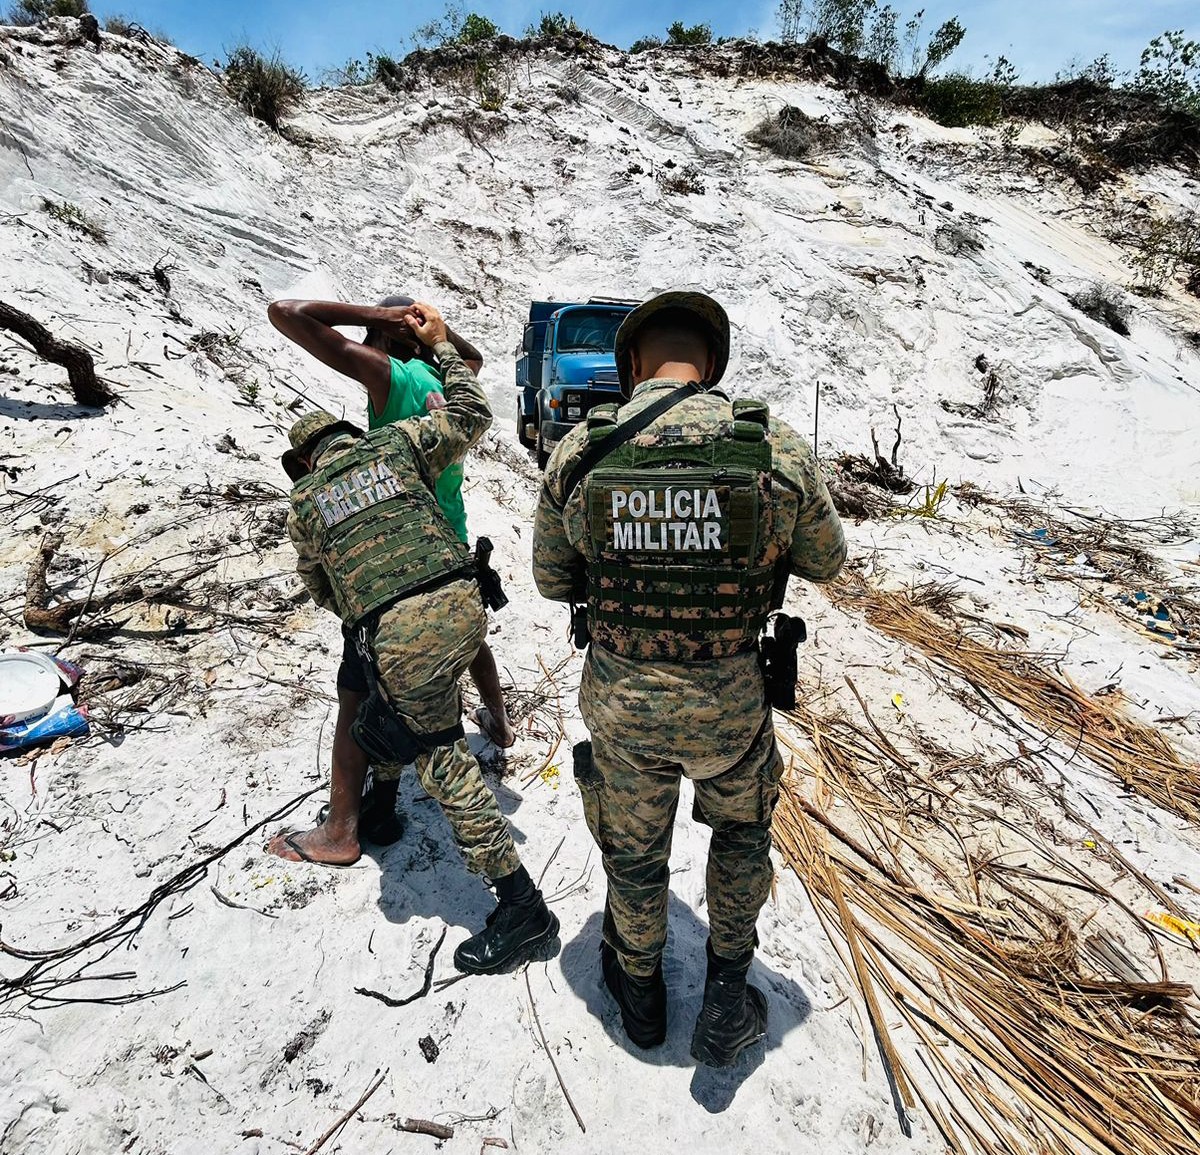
{"x":588,"y":330}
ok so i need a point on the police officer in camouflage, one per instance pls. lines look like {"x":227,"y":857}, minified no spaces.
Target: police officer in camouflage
{"x":679,"y":539}
{"x":375,"y":548}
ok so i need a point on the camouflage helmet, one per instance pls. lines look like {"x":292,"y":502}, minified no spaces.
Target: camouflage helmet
{"x":304,"y":435}
{"x":710,"y":314}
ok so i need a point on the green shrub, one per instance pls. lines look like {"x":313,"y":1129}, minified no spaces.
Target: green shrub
{"x":386,"y":70}
{"x":1164,"y":248}
{"x":645,"y":43}
{"x":680,"y":35}
{"x":476,"y":29}
{"x":267,"y":88}
{"x":25,"y":12}
{"x":75,"y":218}
{"x":958,"y":101}
{"x":553,"y":24}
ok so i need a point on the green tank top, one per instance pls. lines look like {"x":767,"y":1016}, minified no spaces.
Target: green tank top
{"x":413,"y":381}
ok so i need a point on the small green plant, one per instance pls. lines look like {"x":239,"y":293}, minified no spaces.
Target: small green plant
{"x":679,"y":34}
{"x":644,"y":44}
{"x":75,"y":218}
{"x":930,"y":505}
{"x":25,"y":12}
{"x":248,"y":391}
{"x":386,"y":70}
{"x":266,"y":87}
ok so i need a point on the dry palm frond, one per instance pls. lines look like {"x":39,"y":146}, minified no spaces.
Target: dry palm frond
{"x":972,"y":976}
{"x":1137,"y":755}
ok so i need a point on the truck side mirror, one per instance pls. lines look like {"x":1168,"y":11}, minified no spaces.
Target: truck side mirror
{"x":527,"y":340}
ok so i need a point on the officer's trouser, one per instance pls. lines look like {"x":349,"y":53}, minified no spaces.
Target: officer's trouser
{"x":630,"y":801}
{"x":423,"y":646}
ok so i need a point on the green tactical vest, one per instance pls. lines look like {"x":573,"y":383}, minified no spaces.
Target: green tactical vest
{"x":379,"y":529}
{"x":680,"y":541}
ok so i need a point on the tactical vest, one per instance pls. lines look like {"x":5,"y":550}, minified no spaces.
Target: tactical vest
{"x":379,"y":529}
{"x":680,"y":556}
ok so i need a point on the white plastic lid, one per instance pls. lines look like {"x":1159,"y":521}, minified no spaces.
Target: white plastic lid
{"x":29,"y":683}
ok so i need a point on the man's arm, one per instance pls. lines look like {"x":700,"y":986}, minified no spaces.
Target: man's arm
{"x":445,"y":435}
{"x":818,"y":549}
{"x":308,"y":566}
{"x":311,"y":324}
{"x":559,"y":569}
{"x":472,"y":357}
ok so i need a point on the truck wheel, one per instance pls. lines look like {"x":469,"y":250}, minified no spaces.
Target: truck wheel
{"x":525,"y":441}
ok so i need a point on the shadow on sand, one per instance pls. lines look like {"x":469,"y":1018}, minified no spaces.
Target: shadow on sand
{"x":684,"y":967}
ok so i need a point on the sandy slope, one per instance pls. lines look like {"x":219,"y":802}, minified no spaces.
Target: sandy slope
{"x":831,"y":273}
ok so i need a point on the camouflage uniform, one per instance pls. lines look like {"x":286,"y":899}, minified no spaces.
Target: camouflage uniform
{"x":423,"y":642}
{"x":653,"y":721}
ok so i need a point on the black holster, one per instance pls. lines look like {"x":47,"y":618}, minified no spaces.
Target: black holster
{"x":581,"y":634}
{"x":380,"y":731}
{"x":494,"y":597}
{"x":777,"y":659}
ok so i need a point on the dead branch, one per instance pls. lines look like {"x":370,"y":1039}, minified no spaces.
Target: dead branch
{"x":391,"y":1002}
{"x":425,"y":1127}
{"x":550,"y":1055}
{"x":77,"y":361}
{"x":348,"y":1115}
{"x":41,"y":617}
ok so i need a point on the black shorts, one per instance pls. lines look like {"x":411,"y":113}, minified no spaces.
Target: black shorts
{"x":350,"y":674}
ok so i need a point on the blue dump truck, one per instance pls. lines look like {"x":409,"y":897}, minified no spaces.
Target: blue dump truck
{"x":566,"y":367}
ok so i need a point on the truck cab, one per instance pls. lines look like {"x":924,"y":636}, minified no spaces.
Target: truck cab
{"x":567,"y":365}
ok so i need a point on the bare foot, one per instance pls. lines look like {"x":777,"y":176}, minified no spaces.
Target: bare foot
{"x":498,"y":732}
{"x":315,"y":846}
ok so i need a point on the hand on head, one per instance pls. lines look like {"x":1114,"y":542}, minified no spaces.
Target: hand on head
{"x":426,"y":322}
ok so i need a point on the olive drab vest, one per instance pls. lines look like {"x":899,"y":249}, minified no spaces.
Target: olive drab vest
{"x":380,"y":531}
{"x":681,"y":556}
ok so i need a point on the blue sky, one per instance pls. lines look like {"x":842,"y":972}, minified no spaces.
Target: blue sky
{"x":1038,"y":36}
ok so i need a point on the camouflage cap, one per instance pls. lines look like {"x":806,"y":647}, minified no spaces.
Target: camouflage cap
{"x":701,"y":305}
{"x":305,"y":432}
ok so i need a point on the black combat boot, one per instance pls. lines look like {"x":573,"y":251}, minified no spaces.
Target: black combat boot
{"x":734,"y":1014}
{"x":520,"y":924}
{"x":643,"y":1002}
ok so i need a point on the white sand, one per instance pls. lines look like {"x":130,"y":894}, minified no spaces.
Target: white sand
{"x":830,"y":273}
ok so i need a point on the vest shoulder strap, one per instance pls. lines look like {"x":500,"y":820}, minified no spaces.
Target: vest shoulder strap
{"x":600,"y":447}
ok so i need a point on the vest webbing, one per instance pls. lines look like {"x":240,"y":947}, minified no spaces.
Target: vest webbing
{"x":679,"y":536}
{"x":380,"y":531}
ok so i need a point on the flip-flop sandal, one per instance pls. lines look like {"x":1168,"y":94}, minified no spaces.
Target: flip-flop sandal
{"x":482,"y":717}
{"x":289,"y":840}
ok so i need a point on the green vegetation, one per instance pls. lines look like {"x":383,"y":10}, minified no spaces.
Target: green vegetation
{"x":75,"y":218}
{"x":25,"y":12}
{"x":685,"y":37}
{"x":1163,"y":249}
{"x":266,"y":87}
{"x":958,"y":100}
{"x":644,"y":44}
{"x":871,"y":31}
{"x":1170,"y":70}
{"x":554,"y":24}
